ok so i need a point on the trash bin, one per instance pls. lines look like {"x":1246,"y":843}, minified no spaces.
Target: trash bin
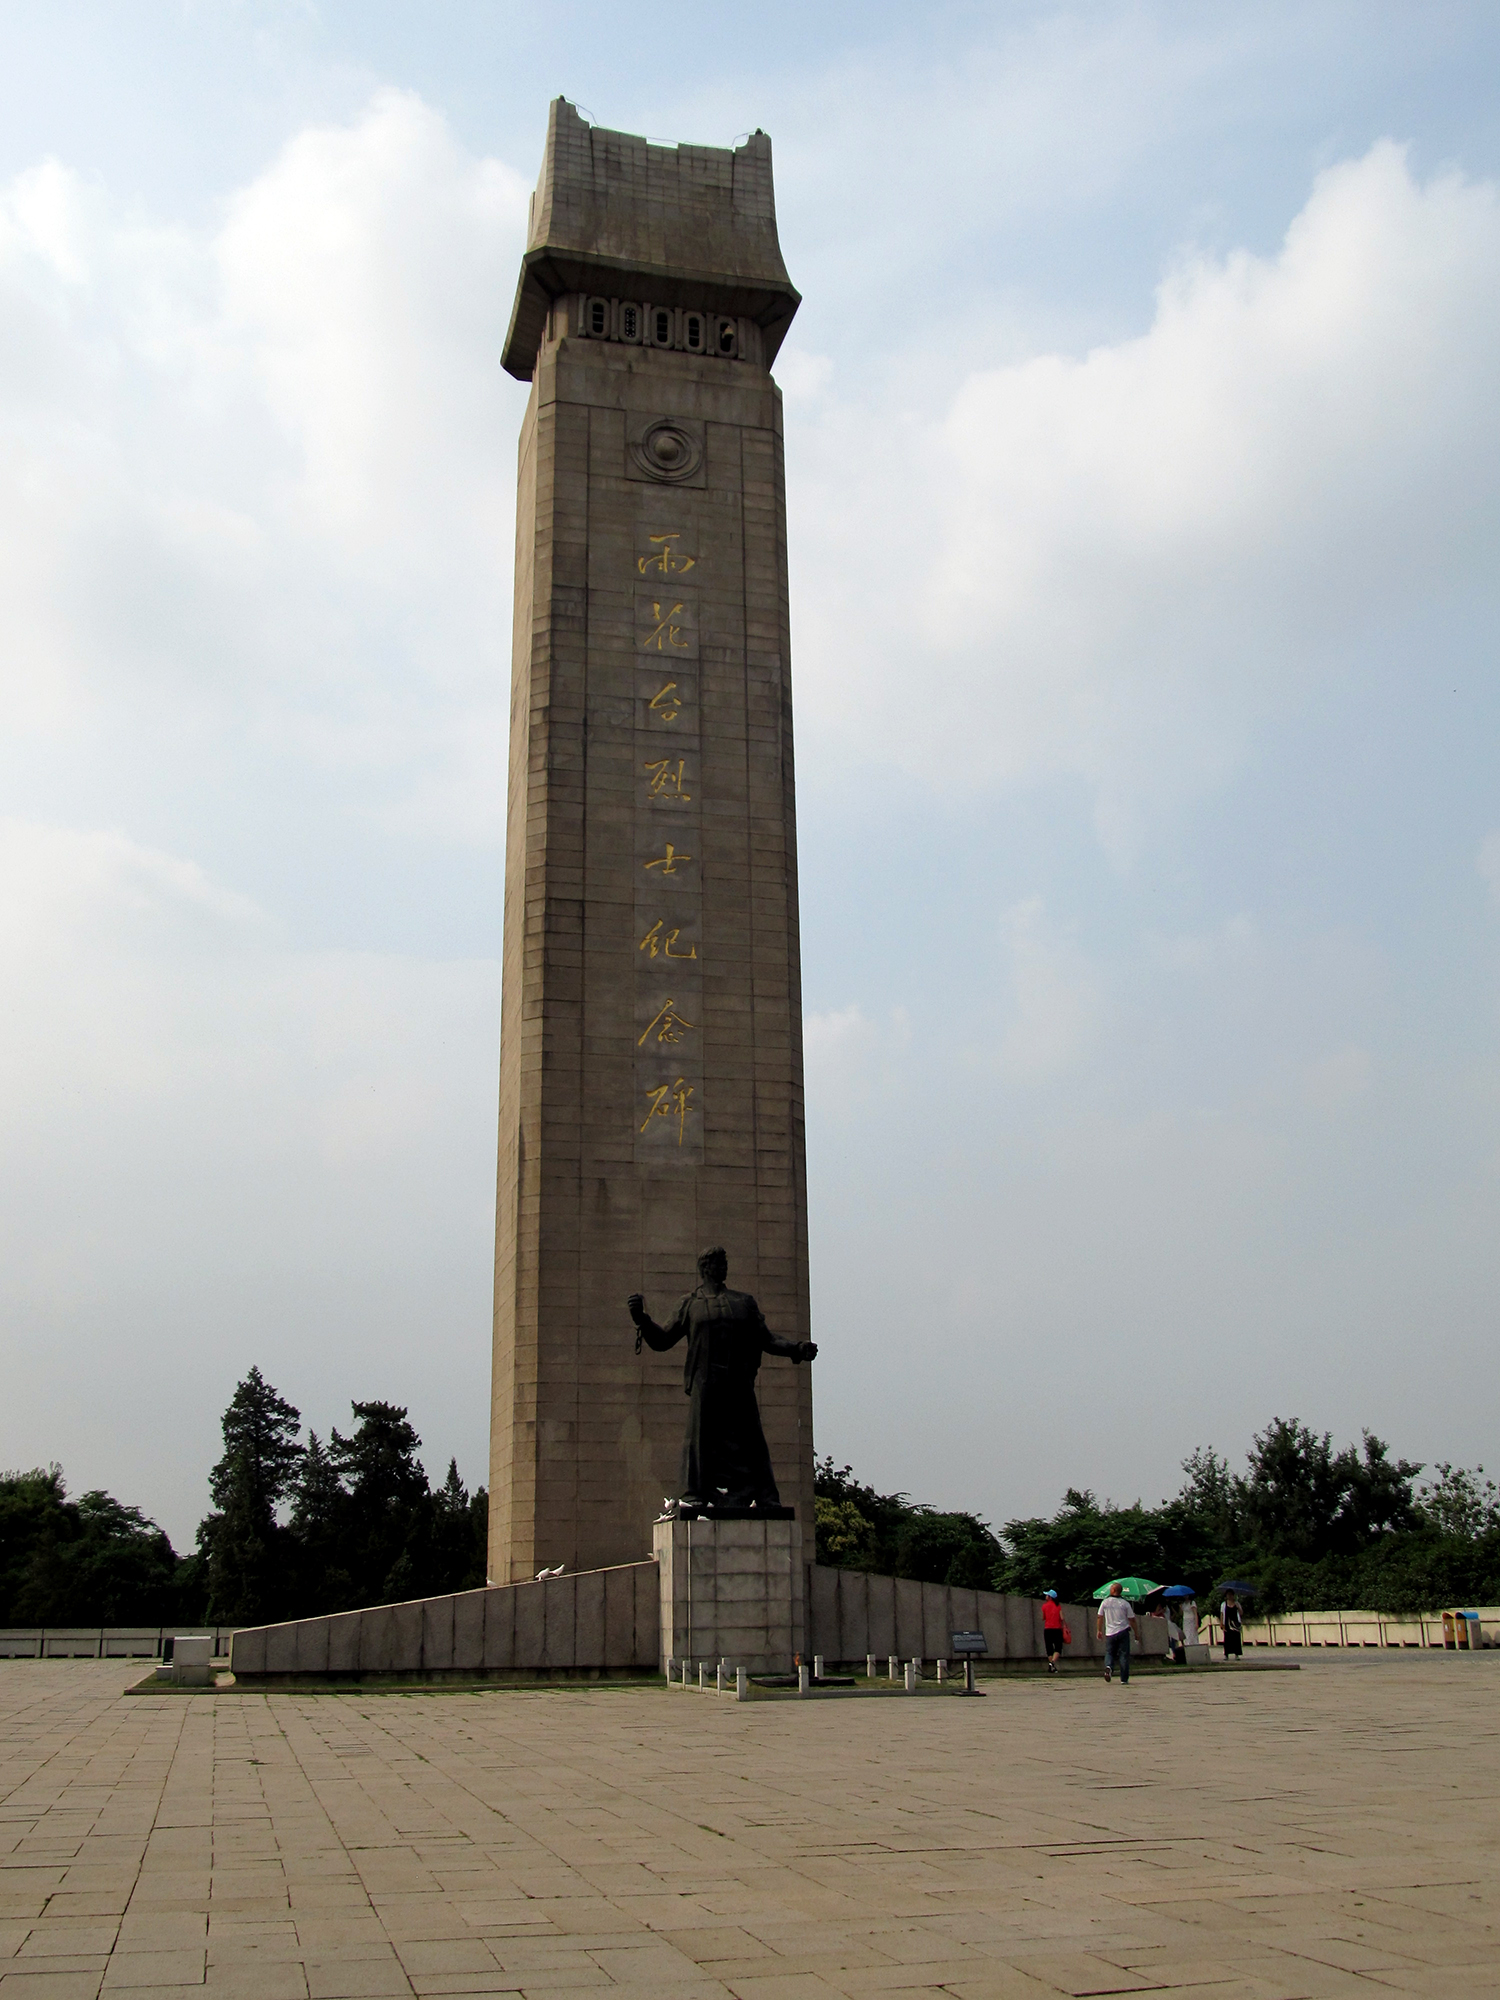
{"x":1461,"y":1633}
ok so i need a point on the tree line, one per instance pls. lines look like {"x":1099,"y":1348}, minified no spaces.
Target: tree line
{"x":293,"y":1529}
{"x":1312,"y":1527}
{"x":299,"y":1527}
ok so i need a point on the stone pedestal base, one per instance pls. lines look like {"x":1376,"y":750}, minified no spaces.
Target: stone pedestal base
{"x":733,"y":1591}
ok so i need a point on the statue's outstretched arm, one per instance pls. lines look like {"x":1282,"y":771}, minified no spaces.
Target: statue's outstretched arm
{"x":794,"y":1350}
{"x":659,"y":1337}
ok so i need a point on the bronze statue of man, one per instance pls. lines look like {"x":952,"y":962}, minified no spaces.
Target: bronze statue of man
{"x":725,"y":1462}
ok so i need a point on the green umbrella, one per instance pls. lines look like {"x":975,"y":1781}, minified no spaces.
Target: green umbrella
{"x":1133,"y":1587}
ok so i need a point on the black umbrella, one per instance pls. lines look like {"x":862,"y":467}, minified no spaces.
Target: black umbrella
{"x":1239,"y":1589}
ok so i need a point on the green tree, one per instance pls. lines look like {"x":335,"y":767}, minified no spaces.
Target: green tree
{"x":261,"y":1452}
{"x":1460,"y":1503}
{"x":959,"y":1549}
{"x":92,"y":1561}
{"x":324,"y":1581}
{"x":244,"y":1552}
{"x":1303,"y":1500}
{"x":858,"y":1528}
{"x":846,"y":1540}
{"x":850,"y":1545}
{"x":1080,"y":1547}
{"x":33,"y":1515}
{"x":459,"y":1548}
{"x":388,"y":1514}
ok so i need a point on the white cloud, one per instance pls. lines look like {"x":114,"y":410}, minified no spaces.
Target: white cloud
{"x":1114,"y":566}
{"x":262,"y":475}
{"x":255,"y":494}
{"x":849,"y":1058}
{"x":220,"y":1149}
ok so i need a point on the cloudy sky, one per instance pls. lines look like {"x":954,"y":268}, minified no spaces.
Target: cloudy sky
{"x":1143,"y":432}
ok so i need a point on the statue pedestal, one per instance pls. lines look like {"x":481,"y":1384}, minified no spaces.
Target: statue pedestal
{"x":732,"y":1590}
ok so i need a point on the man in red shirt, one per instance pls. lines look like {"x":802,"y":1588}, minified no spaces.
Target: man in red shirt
{"x":1054,"y":1632}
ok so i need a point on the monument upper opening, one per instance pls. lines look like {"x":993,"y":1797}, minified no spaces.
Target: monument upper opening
{"x":670,"y":226}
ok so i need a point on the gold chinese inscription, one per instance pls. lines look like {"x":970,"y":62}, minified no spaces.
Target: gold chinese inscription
{"x":664,"y":782}
{"x":659,"y":940}
{"x":670,"y":1100}
{"x":667,"y":862}
{"x":665,"y":556}
{"x":666,"y":634}
{"x":670,"y":1025}
{"x":667,"y":703}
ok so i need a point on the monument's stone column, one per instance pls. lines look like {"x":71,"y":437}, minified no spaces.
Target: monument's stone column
{"x":651,"y":1047}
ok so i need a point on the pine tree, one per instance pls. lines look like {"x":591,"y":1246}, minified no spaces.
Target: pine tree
{"x":260,"y":1428}
{"x":318,"y":1528}
{"x":460,"y":1535}
{"x":234,"y":1544}
{"x":389,"y":1508}
{"x":242,"y":1546}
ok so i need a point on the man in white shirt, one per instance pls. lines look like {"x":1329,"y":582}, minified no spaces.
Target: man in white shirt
{"x":1114,"y":1625}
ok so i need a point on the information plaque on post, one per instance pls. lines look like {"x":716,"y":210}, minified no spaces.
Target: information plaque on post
{"x":965,"y":1646}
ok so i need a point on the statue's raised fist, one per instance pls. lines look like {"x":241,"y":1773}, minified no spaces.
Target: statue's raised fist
{"x":635,"y":1305}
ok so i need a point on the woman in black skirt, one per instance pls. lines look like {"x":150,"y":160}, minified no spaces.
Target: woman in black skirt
{"x":1229,"y":1617}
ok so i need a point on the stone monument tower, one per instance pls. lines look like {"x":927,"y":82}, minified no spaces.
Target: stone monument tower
{"x":651,"y":1042}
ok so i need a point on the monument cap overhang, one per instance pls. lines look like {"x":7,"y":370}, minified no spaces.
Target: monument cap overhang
{"x":677,"y":225}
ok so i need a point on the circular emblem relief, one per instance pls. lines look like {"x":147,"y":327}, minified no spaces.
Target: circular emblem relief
{"x":666,"y":451}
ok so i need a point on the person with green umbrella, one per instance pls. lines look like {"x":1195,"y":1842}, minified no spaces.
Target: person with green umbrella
{"x":1115,"y":1622}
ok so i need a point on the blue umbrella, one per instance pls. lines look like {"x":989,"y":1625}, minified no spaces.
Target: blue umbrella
{"x":1179,"y":1590}
{"x":1239,"y":1589}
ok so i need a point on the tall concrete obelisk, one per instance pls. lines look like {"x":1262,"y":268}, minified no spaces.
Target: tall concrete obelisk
{"x":651,"y":1042}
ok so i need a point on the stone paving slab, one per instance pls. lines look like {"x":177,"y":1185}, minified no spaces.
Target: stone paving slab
{"x":1232,"y":1837}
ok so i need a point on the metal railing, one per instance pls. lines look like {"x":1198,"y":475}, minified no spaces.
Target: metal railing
{"x":100,"y":1642}
{"x":1350,"y":1629}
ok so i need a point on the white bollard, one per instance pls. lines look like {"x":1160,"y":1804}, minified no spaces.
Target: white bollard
{"x":670,"y":1664}
{"x":942,"y":1670}
{"x":817,"y":1666}
{"x":869,"y":1666}
{"x":702,"y":1675}
{"x":911,"y":1677}
{"x":802,"y":1677}
{"x":741,"y":1684}
{"x":890,"y":1667}
{"x":719,"y":1678}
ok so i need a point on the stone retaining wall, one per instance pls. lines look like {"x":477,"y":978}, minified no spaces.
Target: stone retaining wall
{"x":598,"y":1622}
{"x":851,"y":1614}
{"x":609,"y":1621}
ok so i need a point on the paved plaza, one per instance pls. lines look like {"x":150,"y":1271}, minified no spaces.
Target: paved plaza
{"x":1331,"y":1831}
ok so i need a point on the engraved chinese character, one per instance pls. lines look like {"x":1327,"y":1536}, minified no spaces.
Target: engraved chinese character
{"x":666,"y":783}
{"x":665,"y":556}
{"x":667,"y":703}
{"x":667,"y":862}
{"x":666,"y":635}
{"x":670,"y":1100}
{"x":669,"y":1026}
{"x":660,"y":939}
